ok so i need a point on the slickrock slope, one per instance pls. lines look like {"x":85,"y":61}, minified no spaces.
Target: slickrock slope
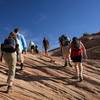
{"x":45,"y":80}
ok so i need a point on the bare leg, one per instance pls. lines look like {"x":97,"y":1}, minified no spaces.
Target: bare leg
{"x":69,"y":61}
{"x":80,"y":71}
{"x":77,"y":70}
{"x":46,"y":52}
{"x":66,"y":61}
{"x":1,"y":56}
{"x":32,"y":51}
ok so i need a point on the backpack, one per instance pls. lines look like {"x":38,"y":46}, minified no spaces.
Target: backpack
{"x":64,"y":41}
{"x":76,"y":50}
{"x":9,"y":45}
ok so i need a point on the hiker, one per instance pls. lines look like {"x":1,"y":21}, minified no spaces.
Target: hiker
{"x":22,"y":47}
{"x":64,"y":42}
{"x":45,"y":45}
{"x":9,"y":48}
{"x":36,"y":49}
{"x":1,"y":54}
{"x":31,"y":46}
{"x":78,"y":52}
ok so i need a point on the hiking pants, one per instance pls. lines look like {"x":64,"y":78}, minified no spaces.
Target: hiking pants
{"x":10,"y":59}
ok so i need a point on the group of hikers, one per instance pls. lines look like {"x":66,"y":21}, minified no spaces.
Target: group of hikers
{"x":33,"y":48}
{"x":73,"y":51}
{"x":15,"y":46}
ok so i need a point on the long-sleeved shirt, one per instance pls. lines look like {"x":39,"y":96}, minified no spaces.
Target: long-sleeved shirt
{"x":21,"y":42}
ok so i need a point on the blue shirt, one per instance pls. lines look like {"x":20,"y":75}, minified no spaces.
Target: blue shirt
{"x":21,"y":42}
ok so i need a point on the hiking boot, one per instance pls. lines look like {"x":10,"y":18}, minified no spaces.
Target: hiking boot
{"x":80,"y":78}
{"x":74,"y":77}
{"x":70,"y":64}
{"x":21,"y":65}
{"x":9,"y":89}
{"x":65,"y":64}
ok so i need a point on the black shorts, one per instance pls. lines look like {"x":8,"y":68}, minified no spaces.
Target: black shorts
{"x":76,"y":59}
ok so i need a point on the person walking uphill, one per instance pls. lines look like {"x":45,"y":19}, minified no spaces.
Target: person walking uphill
{"x":31,"y":46}
{"x":46,"y":45}
{"x":64,"y":42}
{"x":9,"y":48}
{"x":78,"y":51}
{"x":22,"y":46}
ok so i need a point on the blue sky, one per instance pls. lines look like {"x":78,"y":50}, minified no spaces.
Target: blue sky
{"x":50,"y":18}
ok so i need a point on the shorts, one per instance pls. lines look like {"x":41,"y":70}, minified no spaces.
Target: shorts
{"x":65,"y":51}
{"x":76,"y":59}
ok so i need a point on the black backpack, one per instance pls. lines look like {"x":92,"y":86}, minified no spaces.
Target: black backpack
{"x":64,"y":39}
{"x":9,"y":45}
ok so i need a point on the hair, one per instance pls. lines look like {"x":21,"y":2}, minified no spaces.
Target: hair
{"x":74,"y":38}
{"x":11,"y":34}
{"x":16,"y":30}
{"x":75,"y":42}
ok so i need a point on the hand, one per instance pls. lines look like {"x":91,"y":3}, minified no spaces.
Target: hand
{"x":24,"y":51}
{"x":17,"y":45}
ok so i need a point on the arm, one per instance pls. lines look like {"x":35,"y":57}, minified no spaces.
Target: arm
{"x":84,"y":50}
{"x":24,"y":43}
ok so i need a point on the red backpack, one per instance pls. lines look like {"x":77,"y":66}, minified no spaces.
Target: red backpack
{"x":76,"y":50}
